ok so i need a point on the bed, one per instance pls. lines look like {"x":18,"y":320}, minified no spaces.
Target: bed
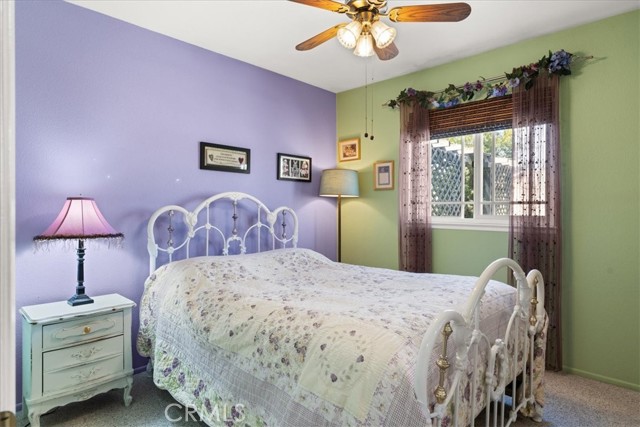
{"x":273,"y":334}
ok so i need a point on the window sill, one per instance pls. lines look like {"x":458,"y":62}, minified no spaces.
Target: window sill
{"x":470,"y":224}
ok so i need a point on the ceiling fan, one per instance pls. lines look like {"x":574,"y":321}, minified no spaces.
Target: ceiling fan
{"x":367,"y":34}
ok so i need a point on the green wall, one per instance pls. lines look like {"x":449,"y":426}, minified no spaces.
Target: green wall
{"x":600,"y":132}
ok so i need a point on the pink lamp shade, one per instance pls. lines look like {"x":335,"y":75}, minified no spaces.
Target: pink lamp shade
{"x":79,"y":219}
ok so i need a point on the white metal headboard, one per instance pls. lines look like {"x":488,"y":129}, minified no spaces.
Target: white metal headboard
{"x":228,"y":219}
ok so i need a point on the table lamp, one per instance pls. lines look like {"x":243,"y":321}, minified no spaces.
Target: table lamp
{"x":80,"y":219}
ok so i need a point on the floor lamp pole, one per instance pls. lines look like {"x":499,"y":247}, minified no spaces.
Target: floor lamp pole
{"x":339,"y":183}
{"x":339,"y":228}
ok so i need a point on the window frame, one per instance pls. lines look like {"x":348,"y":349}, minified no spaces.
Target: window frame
{"x":480,"y":221}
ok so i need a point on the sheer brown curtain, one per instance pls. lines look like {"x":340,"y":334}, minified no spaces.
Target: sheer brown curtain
{"x":415,"y":189}
{"x":534,"y":225}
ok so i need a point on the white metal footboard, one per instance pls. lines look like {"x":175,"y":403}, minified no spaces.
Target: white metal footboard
{"x":228,"y":219}
{"x":503,"y":365}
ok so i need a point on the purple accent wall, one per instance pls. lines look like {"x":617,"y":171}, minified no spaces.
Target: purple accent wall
{"x":109,"y":110}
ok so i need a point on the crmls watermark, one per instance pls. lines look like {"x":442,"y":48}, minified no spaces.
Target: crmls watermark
{"x":216,"y":413}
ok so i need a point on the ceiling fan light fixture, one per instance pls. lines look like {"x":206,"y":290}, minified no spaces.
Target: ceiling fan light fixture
{"x":364,"y":48}
{"x":348,"y":35}
{"x":382,"y":34}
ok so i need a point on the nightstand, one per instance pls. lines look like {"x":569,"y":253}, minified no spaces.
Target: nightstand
{"x":70,"y":353}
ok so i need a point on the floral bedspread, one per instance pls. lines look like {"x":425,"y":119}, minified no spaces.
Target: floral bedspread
{"x":290,"y":338}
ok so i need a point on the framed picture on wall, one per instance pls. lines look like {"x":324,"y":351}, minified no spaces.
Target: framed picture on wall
{"x":349,"y":149}
{"x":383,"y":174}
{"x":224,"y":158}
{"x":293,"y":168}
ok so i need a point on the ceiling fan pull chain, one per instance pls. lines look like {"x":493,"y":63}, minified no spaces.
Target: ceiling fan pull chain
{"x":372,"y":69}
{"x":366,"y":95}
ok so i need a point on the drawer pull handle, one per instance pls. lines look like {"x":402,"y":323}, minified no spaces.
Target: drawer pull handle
{"x":79,"y":330}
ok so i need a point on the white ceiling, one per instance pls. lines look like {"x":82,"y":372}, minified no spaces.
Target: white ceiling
{"x":265,"y":32}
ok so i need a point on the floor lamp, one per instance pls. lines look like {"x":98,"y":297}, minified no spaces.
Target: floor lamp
{"x":339,"y":183}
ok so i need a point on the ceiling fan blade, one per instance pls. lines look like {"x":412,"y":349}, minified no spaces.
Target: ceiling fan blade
{"x":386,"y":53}
{"x":448,"y":12}
{"x":331,"y":5}
{"x":318,"y":39}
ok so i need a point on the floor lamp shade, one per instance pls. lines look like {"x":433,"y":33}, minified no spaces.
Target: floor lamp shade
{"x":80,"y":219}
{"x":339,"y":183}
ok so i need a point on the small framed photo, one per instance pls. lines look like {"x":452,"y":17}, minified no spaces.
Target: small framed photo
{"x":293,"y":168}
{"x":383,"y":174}
{"x":349,"y":149}
{"x":224,"y":158}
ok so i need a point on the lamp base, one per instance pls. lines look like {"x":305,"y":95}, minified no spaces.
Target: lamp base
{"x":79,"y":300}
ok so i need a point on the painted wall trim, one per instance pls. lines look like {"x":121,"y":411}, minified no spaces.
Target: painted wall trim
{"x":7,"y":207}
{"x":601,"y":378}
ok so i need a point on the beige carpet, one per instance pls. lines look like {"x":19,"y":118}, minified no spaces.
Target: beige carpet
{"x":572,"y":401}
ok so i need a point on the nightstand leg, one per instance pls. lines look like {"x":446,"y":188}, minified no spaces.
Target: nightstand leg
{"x":34,"y":419}
{"x":24,"y":413}
{"x":127,"y":392}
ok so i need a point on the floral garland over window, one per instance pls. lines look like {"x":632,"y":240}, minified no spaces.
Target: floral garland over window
{"x":554,"y":63}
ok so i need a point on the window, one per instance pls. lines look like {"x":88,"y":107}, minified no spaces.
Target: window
{"x":471,"y":179}
{"x":471,"y":152}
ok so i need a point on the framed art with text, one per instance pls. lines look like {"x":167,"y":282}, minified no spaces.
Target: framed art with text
{"x":225,"y":158}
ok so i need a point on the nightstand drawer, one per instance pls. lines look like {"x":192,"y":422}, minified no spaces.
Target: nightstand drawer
{"x":62,"y":378}
{"x":85,"y":329}
{"x":82,"y":354}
